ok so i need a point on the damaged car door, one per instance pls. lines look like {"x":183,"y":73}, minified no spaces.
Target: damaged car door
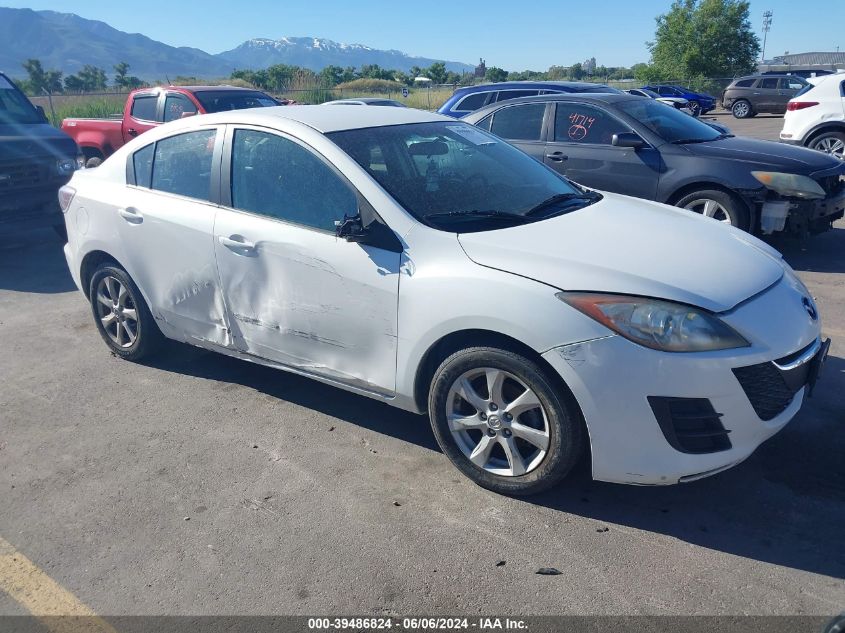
{"x":295,"y":293}
{"x":168,"y":210}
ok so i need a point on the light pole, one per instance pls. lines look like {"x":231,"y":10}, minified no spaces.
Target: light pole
{"x":767,"y":24}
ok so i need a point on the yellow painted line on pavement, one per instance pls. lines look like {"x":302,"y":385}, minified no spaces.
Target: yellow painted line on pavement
{"x":43,"y":597}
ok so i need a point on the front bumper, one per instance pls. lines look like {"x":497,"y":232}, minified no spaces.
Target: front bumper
{"x":612,"y":380}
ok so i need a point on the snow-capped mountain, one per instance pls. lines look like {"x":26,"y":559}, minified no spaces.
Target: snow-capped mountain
{"x":316,"y":53}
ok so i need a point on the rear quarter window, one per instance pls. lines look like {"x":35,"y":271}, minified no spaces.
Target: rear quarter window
{"x":472,"y":102}
{"x":745,"y":83}
{"x":142,"y":165}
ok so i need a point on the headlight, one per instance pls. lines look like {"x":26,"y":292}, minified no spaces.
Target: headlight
{"x":661,"y":325}
{"x":66,"y":166}
{"x":791,"y":185}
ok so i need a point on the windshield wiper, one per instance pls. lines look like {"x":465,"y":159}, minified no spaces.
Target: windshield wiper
{"x":477,"y":213}
{"x":685,"y":141}
{"x":588,"y":197}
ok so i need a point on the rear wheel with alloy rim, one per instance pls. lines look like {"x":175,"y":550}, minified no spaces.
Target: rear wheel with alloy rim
{"x":718,"y":205}
{"x":832,"y":143}
{"x":501,"y":421}
{"x":741,"y":109}
{"x":121,"y":315}
{"x":695,"y":108}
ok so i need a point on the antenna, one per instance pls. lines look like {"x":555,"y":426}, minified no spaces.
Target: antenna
{"x":767,"y":25}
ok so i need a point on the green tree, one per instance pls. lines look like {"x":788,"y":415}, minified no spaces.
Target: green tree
{"x":576,"y":71}
{"x":89,"y":79}
{"x":40,"y":80}
{"x":330,"y":76}
{"x":124,"y":81}
{"x":704,"y":38}
{"x":495,"y":74}
{"x":436,"y":72}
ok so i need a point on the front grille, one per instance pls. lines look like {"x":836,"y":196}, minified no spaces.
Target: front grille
{"x":21,"y":175}
{"x":766,"y":389}
{"x":690,"y":425}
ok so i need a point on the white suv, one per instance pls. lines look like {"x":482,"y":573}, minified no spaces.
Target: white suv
{"x":815,"y":117}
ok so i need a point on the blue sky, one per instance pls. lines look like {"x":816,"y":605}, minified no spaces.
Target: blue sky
{"x":507,"y":33}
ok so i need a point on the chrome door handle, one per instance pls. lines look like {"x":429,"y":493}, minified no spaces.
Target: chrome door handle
{"x":237,"y":243}
{"x":131,"y":215}
{"x":557,"y":157}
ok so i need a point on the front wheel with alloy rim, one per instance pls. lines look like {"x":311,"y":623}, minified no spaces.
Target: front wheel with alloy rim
{"x":718,"y":205}
{"x":502,"y":422}
{"x":832,"y":143}
{"x":695,"y":108}
{"x":741,"y":109}
{"x":121,"y":315}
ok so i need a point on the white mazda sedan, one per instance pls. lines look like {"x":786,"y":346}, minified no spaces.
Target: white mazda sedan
{"x":415,"y":259}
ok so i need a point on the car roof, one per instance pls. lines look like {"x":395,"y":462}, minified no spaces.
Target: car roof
{"x":363,"y":100}
{"x":516,"y":85}
{"x":583,"y":97}
{"x":325,"y":119}
{"x":208,"y":88}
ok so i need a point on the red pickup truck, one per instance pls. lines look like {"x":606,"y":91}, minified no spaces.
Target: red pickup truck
{"x":148,"y":107}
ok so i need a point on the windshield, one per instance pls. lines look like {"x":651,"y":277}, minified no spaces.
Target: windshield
{"x":458,"y":178}
{"x":668,"y":123}
{"x":15,"y":107}
{"x":222,"y":100}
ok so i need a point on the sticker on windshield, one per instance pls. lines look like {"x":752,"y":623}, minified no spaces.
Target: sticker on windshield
{"x":5,"y":85}
{"x":471,"y":134}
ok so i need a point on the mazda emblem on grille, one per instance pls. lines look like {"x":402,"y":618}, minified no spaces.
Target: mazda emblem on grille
{"x":810,"y":308}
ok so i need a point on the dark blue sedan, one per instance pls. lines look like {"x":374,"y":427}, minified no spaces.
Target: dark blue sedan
{"x":699,"y":102}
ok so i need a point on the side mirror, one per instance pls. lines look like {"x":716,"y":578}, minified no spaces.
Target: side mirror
{"x":627,"y":139}
{"x":42,"y":114}
{"x":350,"y":228}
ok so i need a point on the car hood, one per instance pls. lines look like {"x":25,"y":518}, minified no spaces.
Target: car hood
{"x":631,"y":246}
{"x":765,"y":154}
{"x":34,"y":140}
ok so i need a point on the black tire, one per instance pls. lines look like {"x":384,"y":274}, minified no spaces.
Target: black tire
{"x":735,"y":209}
{"x":148,"y":337}
{"x":823,"y":142}
{"x":741,"y":109}
{"x":566,"y":435}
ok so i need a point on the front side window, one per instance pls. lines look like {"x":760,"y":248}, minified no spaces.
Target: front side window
{"x":458,"y":178}
{"x":176,"y":106}
{"x":144,"y":107}
{"x":579,"y":123}
{"x":520,"y":123}
{"x":182,"y":164}
{"x":279,"y":178}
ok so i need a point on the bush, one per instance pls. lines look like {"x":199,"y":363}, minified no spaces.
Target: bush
{"x":378,"y":86}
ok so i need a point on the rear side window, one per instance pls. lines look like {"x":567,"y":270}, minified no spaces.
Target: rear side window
{"x":142,"y":162}
{"x":182,"y":164}
{"x":745,"y":83}
{"x":769,"y":83}
{"x":144,"y":107}
{"x":176,"y":105}
{"x":520,"y":123}
{"x":278,"y":178}
{"x":472,"y":102}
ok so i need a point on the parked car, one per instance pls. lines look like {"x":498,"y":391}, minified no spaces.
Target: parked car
{"x":420,"y":261}
{"x":679,"y":103}
{"x":471,"y":98}
{"x":815,"y":117}
{"x":150,"y":107}
{"x":35,"y":160}
{"x":699,"y":102}
{"x":641,"y":148}
{"x":748,"y":96}
{"x":370,"y":101}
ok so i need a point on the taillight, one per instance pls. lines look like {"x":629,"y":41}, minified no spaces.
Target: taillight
{"x":66,"y":195}
{"x":792,"y":106}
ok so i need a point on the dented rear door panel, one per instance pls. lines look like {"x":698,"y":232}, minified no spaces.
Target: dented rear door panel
{"x":306,"y":299}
